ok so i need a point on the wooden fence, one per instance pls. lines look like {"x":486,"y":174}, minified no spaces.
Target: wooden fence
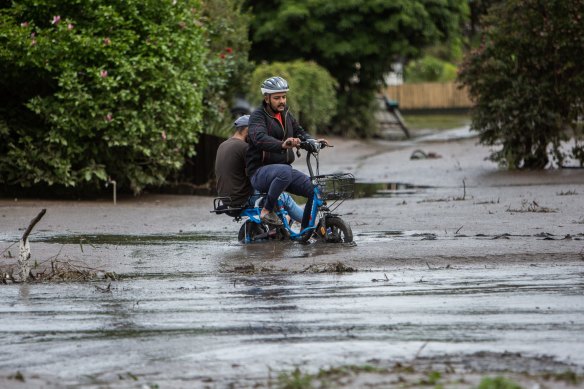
{"x":429,"y":96}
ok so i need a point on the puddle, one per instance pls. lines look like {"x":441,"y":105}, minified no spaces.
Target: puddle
{"x":391,"y":189}
{"x":173,"y":327}
{"x":180,"y":312}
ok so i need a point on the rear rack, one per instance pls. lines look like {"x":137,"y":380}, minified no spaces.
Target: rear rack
{"x":220,"y":207}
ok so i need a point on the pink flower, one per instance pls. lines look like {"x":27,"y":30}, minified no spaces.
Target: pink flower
{"x":70,"y":26}
{"x":24,"y":24}
{"x":103,"y":73}
{"x":163,"y":135}
{"x":107,"y":41}
{"x":229,"y":50}
{"x":108,"y":117}
{"x":33,"y":42}
{"x":32,"y":34}
{"x":56,"y":20}
{"x":222,"y":56}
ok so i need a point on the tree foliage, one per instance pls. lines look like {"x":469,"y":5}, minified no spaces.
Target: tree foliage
{"x":312,"y":91}
{"x":356,"y":41}
{"x":527,"y":81}
{"x":95,"y":89}
{"x":228,"y":66}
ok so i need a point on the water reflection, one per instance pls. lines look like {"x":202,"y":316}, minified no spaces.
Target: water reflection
{"x":387,"y":189}
{"x":212,"y":320}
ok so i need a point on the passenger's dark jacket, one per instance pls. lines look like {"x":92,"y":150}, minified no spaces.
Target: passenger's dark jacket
{"x":266,"y":135}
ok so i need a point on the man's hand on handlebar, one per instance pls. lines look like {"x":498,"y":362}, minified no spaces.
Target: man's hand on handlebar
{"x":291,"y":143}
{"x":312,"y":145}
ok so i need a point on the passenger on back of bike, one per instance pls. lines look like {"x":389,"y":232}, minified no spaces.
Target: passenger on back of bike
{"x":273,"y":133}
{"x":232,"y":181}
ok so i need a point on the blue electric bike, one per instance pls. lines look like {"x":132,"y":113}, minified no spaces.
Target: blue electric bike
{"x":330,"y":191}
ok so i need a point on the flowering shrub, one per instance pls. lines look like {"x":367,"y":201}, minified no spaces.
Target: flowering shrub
{"x":228,"y":67}
{"x":94,"y":89}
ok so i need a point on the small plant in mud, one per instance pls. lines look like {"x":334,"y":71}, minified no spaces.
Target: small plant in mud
{"x":567,"y":193}
{"x":295,"y":380}
{"x":448,"y":199}
{"x":326,"y":378}
{"x":498,"y":383}
{"x":567,"y":376}
{"x":432,"y":378}
{"x":17,"y":376}
{"x":532,"y":206}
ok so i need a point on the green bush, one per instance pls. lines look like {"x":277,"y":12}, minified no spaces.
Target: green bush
{"x":312,"y":91}
{"x":95,"y":89}
{"x":527,"y":81}
{"x":430,"y":69}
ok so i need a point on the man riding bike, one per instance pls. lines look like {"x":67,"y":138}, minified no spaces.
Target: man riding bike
{"x":273,"y":133}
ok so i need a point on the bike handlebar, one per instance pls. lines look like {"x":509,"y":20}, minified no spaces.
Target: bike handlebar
{"x":308,"y":146}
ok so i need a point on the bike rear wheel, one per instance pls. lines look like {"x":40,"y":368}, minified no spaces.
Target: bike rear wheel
{"x":337,"y":231}
{"x":254,"y":231}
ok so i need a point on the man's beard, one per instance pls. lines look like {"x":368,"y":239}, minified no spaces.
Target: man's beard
{"x":275,"y":109}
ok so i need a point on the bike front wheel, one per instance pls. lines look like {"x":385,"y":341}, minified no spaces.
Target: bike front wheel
{"x":336,"y":230}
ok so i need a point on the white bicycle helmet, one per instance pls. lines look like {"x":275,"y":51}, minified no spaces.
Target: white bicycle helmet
{"x":274,"y":85}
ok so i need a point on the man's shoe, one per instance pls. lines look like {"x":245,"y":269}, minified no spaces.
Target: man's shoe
{"x":272,"y":219}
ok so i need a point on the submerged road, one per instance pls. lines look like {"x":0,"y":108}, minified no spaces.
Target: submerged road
{"x":453,"y":270}
{"x":185,"y":315}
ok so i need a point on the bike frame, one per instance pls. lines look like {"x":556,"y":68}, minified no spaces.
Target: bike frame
{"x":317,"y":202}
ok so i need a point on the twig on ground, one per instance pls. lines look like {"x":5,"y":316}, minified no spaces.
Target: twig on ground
{"x":420,"y":350}
{"x":386,"y":279}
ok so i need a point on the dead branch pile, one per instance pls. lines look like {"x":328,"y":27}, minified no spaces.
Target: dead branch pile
{"x":55,"y":270}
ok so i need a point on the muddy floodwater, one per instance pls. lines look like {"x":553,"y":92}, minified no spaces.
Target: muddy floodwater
{"x":184,"y":313}
{"x":489,"y":273}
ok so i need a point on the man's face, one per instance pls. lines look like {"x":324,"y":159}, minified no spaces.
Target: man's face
{"x":277,"y":101}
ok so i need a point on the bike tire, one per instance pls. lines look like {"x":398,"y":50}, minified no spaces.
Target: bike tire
{"x":337,"y":231}
{"x":306,"y":237}
{"x":253,"y":229}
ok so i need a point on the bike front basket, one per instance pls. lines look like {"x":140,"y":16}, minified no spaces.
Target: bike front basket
{"x":336,"y":186}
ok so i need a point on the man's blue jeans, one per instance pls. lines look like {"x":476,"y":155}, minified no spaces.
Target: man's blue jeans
{"x":277,"y":178}
{"x":291,"y":207}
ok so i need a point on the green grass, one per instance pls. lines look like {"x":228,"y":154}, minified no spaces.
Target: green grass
{"x":497,"y":383}
{"x":295,"y":380}
{"x":436,"y":121}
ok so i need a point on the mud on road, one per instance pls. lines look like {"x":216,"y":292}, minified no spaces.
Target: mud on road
{"x":467,"y":279}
